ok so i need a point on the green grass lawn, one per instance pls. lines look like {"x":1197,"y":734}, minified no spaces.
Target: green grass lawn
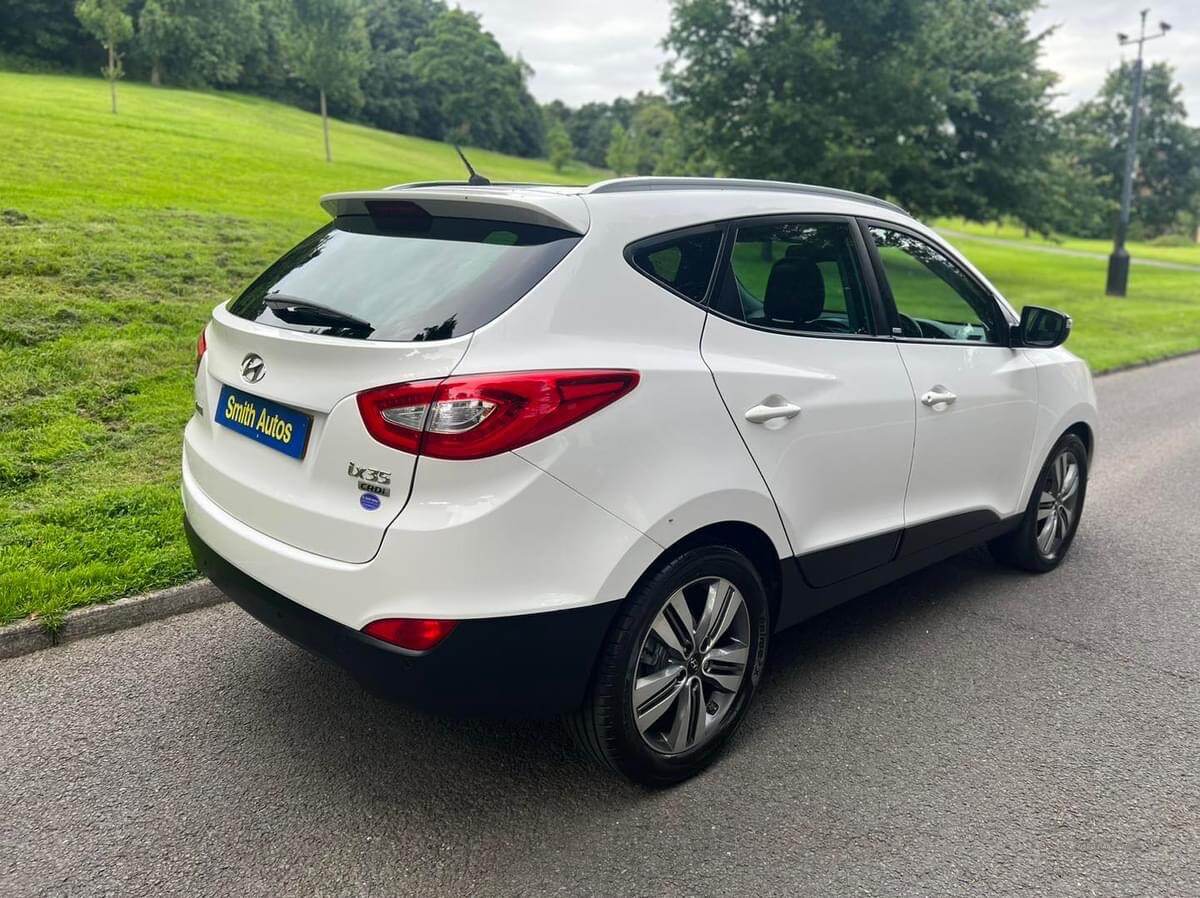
{"x":1159,"y":318}
{"x":1186,"y":255}
{"x":118,"y":235}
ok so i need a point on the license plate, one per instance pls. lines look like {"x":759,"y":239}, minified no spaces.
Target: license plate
{"x":283,"y":429}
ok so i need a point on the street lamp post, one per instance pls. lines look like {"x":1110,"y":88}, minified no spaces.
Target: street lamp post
{"x":1118,"y":262}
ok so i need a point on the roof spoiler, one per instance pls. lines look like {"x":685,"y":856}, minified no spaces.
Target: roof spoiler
{"x":563,"y":211}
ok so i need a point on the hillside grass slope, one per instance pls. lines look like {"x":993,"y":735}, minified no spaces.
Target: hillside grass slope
{"x":119,"y":233}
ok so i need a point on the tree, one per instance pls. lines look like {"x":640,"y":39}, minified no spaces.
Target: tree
{"x":154,"y":37}
{"x":935,"y":102}
{"x":393,"y":97}
{"x":327,"y":46}
{"x":198,"y":42}
{"x":1166,"y":183}
{"x":479,"y":93}
{"x":558,"y":141}
{"x":45,"y":30}
{"x":1065,"y":197}
{"x":107,"y":21}
{"x":653,"y":126}
{"x":621,"y":158}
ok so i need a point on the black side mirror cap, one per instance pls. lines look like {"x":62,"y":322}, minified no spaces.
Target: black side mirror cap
{"x":1042,"y":328}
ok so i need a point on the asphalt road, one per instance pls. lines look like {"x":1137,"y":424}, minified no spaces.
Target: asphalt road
{"x":967,"y":731}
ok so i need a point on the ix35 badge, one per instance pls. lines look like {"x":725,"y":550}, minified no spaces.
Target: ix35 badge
{"x":371,"y":480}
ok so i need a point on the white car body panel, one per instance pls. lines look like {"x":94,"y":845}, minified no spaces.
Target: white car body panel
{"x":308,"y":503}
{"x":838,"y":469}
{"x":474,"y":542}
{"x":642,"y":458}
{"x":1066,"y":398}
{"x":972,"y":454}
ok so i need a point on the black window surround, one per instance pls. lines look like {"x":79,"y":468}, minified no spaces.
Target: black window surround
{"x":883,"y":309}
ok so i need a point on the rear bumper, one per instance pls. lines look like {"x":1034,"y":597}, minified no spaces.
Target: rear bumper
{"x":527,"y":665}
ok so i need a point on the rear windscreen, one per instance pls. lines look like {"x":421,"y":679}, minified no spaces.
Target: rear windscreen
{"x":403,"y":277}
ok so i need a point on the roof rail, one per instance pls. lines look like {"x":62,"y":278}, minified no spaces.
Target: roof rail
{"x":629,"y":185}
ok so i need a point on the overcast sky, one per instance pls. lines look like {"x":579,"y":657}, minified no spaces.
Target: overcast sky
{"x":598,"y":49}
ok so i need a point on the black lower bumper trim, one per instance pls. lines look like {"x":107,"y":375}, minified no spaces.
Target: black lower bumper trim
{"x":530,"y":665}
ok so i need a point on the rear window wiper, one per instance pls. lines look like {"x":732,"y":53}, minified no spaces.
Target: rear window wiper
{"x":302,"y":311}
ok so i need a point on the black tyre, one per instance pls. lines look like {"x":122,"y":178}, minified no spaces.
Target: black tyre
{"x":679,"y":668}
{"x":1052,"y":516}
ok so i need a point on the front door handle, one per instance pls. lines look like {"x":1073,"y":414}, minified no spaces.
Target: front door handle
{"x":771,"y":409}
{"x":938,"y":399}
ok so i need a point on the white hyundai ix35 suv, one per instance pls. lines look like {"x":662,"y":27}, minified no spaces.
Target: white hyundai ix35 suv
{"x":531,"y":450}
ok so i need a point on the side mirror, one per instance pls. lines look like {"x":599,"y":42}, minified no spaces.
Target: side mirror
{"x":1042,"y":328}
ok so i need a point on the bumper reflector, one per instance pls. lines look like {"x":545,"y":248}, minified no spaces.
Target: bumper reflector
{"x":414,"y":634}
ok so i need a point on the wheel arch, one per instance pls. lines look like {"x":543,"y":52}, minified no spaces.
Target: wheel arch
{"x":1084,"y":431}
{"x":749,"y":539}
{"x":1080,"y":420}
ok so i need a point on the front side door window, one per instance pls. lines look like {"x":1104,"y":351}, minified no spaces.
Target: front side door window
{"x":934,"y":298}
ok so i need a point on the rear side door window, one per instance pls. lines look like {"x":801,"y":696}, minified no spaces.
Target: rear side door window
{"x":933,"y":296}
{"x":801,"y":277}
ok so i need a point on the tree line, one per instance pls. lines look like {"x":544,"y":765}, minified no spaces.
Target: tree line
{"x":941,"y":105}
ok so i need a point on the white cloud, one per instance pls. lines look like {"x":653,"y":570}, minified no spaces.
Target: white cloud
{"x":581,"y":50}
{"x":1084,"y":47}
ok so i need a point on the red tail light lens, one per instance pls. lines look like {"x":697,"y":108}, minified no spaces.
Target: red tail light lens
{"x":480,"y":415}
{"x":201,"y":346}
{"x":405,"y":407}
{"x":415,"y":634}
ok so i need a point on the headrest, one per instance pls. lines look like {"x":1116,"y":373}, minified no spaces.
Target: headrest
{"x":795,"y":291}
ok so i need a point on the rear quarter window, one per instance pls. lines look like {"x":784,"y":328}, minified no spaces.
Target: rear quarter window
{"x":681,"y":262}
{"x":417,"y":277}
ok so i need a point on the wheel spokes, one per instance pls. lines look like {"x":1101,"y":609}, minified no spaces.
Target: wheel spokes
{"x":1070,"y":483}
{"x":692,"y":665}
{"x":1045,"y":538}
{"x":726,"y":666}
{"x":676,"y":627}
{"x":1064,"y":522}
{"x":721,"y":606}
{"x":1045,"y":506}
{"x":654,"y":695}
{"x":1057,"y":503}
{"x":688,"y":725}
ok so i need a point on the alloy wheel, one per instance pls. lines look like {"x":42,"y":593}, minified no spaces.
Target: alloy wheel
{"x":1058,"y":503}
{"x":691,"y":666}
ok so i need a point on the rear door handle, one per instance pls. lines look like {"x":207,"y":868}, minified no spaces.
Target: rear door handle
{"x":938,"y":399}
{"x":772,"y":408}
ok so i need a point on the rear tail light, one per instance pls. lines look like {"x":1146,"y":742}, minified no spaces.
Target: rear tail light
{"x":415,"y":634}
{"x":486,"y":414}
{"x":201,"y":346}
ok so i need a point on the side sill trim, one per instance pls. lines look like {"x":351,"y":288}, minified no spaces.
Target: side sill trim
{"x":917,"y":547}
